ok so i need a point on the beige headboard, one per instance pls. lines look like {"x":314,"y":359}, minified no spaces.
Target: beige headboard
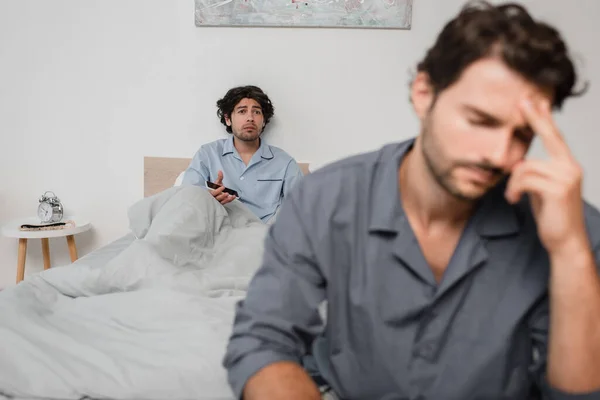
{"x":160,"y":173}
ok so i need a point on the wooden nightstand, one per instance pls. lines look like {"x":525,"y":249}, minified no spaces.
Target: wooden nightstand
{"x":12,"y":230}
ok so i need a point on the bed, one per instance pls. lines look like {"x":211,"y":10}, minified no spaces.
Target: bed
{"x":145,"y":317}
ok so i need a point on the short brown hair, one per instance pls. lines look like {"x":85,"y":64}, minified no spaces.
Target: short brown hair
{"x":533,"y":49}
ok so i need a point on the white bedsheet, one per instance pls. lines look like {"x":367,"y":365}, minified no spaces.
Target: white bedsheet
{"x":152,"y":323}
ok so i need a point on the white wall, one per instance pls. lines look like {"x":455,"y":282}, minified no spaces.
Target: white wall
{"x":88,"y":88}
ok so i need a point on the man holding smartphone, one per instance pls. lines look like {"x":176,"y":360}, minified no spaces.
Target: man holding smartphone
{"x":244,"y":166}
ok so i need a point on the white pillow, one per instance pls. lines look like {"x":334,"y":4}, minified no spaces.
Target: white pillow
{"x":179,"y":179}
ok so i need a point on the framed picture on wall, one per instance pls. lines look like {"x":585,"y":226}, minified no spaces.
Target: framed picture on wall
{"x":381,"y":14}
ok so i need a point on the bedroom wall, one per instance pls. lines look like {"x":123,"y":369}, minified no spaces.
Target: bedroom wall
{"x":87,"y":89}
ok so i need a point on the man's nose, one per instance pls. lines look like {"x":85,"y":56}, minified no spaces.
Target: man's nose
{"x":250,"y":117}
{"x":499,"y":151}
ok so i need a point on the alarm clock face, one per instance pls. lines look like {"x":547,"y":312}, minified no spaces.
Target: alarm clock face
{"x":45,"y":212}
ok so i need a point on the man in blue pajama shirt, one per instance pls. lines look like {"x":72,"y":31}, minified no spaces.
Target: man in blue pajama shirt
{"x":263,"y":175}
{"x":452,"y":266}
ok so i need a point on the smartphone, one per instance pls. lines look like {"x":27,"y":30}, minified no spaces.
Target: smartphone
{"x":211,"y":185}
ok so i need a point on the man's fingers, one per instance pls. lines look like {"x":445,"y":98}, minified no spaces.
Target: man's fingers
{"x":528,"y":183}
{"x":538,"y":115}
{"x":538,"y":176}
{"x":218,"y":191}
{"x":219,"y":180}
{"x":228,"y":199}
{"x":221,"y":197}
{"x":555,"y":170}
{"x":516,"y":187}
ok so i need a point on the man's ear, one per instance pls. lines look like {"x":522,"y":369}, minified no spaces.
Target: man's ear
{"x":421,"y":94}
{"x":227,"y":120}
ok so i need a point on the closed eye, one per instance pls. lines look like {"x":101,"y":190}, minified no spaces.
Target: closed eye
{"x":483,"y":122}
{"x":524,"y":134}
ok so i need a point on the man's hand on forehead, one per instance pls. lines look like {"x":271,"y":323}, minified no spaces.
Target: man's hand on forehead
{"x":554,"y":185}
{"x":538,"y":114}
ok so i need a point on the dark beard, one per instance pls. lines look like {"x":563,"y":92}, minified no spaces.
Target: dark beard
{"x":444,"y":177}
{"x":246,"y":138}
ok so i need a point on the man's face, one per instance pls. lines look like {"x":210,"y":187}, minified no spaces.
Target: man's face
{"x":474,"y":134}
{"x":246,"y":120}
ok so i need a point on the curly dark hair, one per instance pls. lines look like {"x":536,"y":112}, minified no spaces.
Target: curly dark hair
{"x":531,"y":48}
{"x":235,"y":95}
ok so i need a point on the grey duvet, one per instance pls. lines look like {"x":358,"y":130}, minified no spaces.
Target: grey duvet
{"x":151,"y":323}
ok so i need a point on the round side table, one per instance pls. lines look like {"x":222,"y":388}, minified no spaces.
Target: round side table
{"x":12,"y":230}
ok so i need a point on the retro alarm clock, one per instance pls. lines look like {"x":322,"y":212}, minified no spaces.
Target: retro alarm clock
{"x":50,"y":209}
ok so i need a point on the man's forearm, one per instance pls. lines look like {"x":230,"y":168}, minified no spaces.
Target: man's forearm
{"x":574,"y":348}
{"x":282,"y":380}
